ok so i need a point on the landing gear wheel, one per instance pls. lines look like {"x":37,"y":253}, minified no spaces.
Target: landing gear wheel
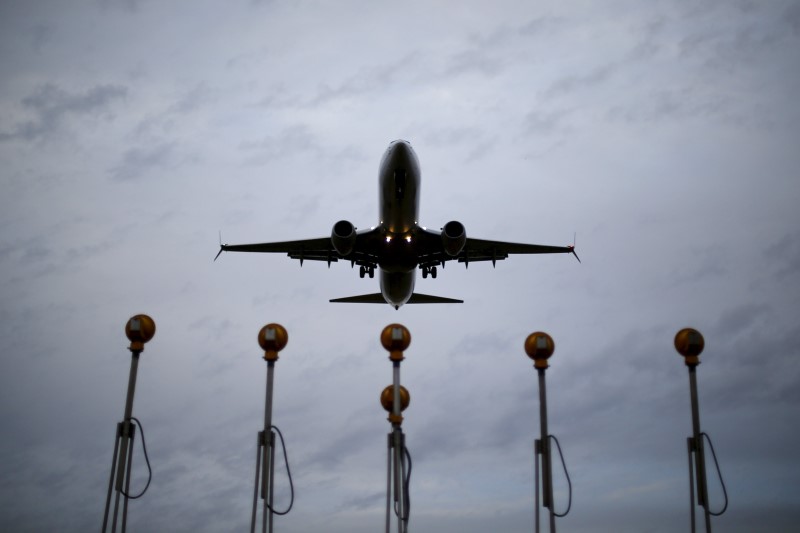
{"x":361,"y":271}
{"x":371,"y":272}
{"x":433,"y":272}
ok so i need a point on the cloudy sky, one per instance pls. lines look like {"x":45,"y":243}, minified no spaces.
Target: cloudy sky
{"x":665,"y":134}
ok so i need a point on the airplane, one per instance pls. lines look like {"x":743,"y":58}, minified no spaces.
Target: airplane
{"x":398,"y":245}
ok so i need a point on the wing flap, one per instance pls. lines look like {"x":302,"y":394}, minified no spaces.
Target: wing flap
{"x":314,"y":256}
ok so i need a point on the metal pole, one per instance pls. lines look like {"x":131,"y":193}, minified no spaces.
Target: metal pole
{"x":690,"y":448}
{"x":259,"y":446}
{"x":404,"y":503}
{"x":388,"y":480}
{"x":547,"y":479}
{"x":271,"y":477}
{"x":126,"y":422}
{"x":124,"y":435}
{"x":537,"y":450}
{"x":266,"y":466}
{"x":396,"y":388}
{"x":127,"y":482}
{"x":111,"y":477}
{"x":398,"y":482}
{"x":398,"y":447}
{"x":700,"y":463}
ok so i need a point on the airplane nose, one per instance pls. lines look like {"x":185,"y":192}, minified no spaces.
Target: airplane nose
{"x":401,"y":149}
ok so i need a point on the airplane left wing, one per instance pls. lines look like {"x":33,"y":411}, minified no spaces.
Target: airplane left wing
{"x":319,"y":249}
{"x":482,"y":250}
{"x":485,"y":250}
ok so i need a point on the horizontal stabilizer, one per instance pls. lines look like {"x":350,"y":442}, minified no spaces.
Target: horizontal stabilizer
{"x":375,"y":298}
{"x":416,"y":298}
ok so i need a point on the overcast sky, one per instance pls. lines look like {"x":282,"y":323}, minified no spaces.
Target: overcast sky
{"x":665,"y":134}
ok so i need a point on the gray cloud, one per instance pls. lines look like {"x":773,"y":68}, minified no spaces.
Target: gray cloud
{"x":369,"y":80}
{"x":565,"y":85}
{"x":292,"y":140}
{"x":139,"y":162}
{"x":132,"y":6}
{"x":784,"y":256}
{"x":547,"y":122}
{"x":792,"y":17}
{"x":51,"y":106}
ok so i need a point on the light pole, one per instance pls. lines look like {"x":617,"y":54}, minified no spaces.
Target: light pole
{"x":272,"y":338}
{"x":139,"y":329}
{"x":395,"y":338}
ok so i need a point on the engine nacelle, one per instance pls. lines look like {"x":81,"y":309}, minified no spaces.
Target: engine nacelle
{"x":454,"y":237}
{"x":343,"y":237}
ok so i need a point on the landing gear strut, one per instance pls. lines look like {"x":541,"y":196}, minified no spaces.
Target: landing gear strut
{"x":429,"y":270}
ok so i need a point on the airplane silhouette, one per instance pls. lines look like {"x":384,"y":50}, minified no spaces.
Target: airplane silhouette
{"x":398,"y":245}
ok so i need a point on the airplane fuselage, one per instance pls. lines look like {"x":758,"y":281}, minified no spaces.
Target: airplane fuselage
{"x":398,"y":197}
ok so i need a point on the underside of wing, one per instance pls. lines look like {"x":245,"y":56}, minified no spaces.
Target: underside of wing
{"x":319,"y":249}
{"x":432,"y":253}
{"x":320,"y":244}
{"x":486,"y":250}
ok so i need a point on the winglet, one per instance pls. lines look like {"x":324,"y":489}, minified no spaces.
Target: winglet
{"x":221,"y":249}
{"x":572,"y":248}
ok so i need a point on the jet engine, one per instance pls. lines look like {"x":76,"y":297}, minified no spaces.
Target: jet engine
{"x":343,"y":237}
{"x":454,"y":237}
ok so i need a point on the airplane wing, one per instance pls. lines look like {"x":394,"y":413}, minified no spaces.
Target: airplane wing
{"x":484,"y":250}
{"x":319,"y":249}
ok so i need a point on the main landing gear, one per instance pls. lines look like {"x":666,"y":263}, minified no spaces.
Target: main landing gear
{"x":429,"y":271}
{"x":364,"y":270}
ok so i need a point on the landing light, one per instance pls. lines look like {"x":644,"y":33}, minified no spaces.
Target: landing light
{"x":408,"y":238}
{"x":388,"y":239}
